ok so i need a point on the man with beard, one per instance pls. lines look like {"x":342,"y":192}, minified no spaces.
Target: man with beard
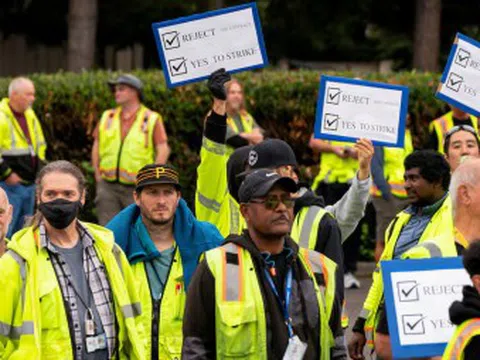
{"x":465,"y":343}
{"x":427,"y":177}
{"x":259,"y":296}
{"x":163,"y":242}
{"x":66,"y":290}
{"x":5,"y":218}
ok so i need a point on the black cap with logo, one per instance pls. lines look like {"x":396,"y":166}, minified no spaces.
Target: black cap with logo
{"x":156,"y":174}
{"x":259,"y":183}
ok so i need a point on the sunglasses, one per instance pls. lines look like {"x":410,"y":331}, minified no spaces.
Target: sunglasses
{"x":272,"y":202}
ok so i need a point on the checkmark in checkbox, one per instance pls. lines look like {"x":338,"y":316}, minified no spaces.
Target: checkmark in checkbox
{"x":171,"y":40}
{"x":408,"y":291}
{"x":333,"y":95}
{"x":178,"y":66}
{"x":454,"y":82}
{"x":462,"y":58}
{"x":330,"y":122}
{"x":413,"y":324}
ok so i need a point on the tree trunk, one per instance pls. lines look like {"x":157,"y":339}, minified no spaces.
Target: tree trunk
{"x":426,"y":48}
{"x":82,"y":30}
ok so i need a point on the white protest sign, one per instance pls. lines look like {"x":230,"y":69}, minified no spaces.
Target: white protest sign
{"x":460,"y":84}
{"x":193,"y":47}
{"x":418,"y":294}
{"x":349,"y":109}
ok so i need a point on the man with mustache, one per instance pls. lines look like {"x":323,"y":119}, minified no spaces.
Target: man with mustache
{"x":427,"y":177}
{"x":5,"y":218}
{"x":259,"y":296}
{"x":22,"y":149}
{"x":163,"y":242}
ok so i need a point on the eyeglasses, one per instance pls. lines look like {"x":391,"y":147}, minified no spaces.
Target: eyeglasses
{"x":272,"y":202}
{"x":458,"y":128}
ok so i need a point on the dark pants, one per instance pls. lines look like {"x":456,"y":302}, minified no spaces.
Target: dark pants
{"x":351,"y":247}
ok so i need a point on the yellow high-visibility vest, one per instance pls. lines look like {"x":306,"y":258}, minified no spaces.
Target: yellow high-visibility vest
{"x":121,"y":160}
{"x":462,"y":337}
{"x":240,"y":320}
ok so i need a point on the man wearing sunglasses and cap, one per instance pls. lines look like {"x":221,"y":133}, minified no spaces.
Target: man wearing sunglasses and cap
{"x":460,"y":142}
{"x":260,"y":296}
{"x":163,"y":242}
{"x":438,"y":128}
{"x":126,"y":139}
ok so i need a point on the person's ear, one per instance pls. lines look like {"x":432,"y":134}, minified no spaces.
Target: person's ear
{"x":476,"y":282}
{"x":244,"y":210}
{"x":136,"y":197}
{"x":83,"y":197}
{"x":9,"y":213}
{"x":463,"y":195}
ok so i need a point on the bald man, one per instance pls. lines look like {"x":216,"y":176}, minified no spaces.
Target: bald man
{"x":5,"y":218}
{"x":465,"y":194}
{"x":22,"y":149}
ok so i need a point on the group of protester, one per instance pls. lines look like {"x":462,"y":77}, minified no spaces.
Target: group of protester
{"x":257,"y":273}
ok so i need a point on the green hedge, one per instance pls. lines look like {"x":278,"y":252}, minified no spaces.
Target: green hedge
{"x":69,"y":106}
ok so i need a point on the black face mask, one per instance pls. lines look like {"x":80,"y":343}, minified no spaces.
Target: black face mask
{"x":60,"y":212}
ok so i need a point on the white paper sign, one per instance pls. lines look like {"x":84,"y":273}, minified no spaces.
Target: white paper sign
{"x":460,"y":84}
{"x":418,"y":295}
{"x":422,"y":300}
{"x":193,"y":47}
{"x":349,"y":109}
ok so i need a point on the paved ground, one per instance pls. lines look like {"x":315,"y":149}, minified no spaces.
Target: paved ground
{"x":356,"y":297}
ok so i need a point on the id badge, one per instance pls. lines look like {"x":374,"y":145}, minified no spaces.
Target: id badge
{"x":295,"y":350}
{"x":94,"y":343}
{"x":89,"y":327}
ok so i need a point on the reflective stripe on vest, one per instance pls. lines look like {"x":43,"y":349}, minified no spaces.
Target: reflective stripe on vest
{"x":462,"y":337}
{"x":232,"y":290}
{"x":433,"y":249}
{"x":247,"y":123}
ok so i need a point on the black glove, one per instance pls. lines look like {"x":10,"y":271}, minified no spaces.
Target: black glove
{"x":216,"y":83}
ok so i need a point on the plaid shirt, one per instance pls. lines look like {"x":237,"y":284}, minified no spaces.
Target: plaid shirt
{"x":99,"y":286}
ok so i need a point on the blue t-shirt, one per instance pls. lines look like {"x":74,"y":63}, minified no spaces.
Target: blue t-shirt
{"x":158,"y":267}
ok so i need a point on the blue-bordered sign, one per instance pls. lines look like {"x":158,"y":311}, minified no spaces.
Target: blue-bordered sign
{"x":460,"y":83}
{"x":192,"y":47}
{"x":349,"y":109}
{"x":418,"y":294}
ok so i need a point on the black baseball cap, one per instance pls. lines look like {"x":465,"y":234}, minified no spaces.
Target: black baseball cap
{"x":156,"y":174}
{"x":271,"y":153}
{"x":260,"y":182}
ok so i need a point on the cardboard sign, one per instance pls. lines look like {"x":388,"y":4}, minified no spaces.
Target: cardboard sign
{"x":192,"y":47}
{"x":460,"y":84}
{"x":349,"y":109}
{"x":418,"y":294}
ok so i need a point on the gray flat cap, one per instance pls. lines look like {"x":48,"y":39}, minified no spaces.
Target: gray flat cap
{"x":128,"y":79}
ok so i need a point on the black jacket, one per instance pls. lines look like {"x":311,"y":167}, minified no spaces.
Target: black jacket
{"x":199,"y":323}
{"x":464,"y":310}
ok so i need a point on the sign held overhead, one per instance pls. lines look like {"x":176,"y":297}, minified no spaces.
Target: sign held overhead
{"x":192,"y":47}
{"x":460,"y":84}
{"x":349,"y":109}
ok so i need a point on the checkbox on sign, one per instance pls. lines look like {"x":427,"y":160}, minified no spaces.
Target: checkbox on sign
{"x":330,"y":122}
{"x":413,"y":324}
{"x":454,"y":82}
{"x":408,"y":291}
{"x":462,"y":58}
{"x":333,"y":95}
{"x":171,"y":40}
{"x":178,"y":66}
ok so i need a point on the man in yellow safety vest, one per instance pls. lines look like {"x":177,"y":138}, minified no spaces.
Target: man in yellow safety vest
{"x":259,"y":296}
{"x":163,"y":242}
{"x":67,"y":290}
{"x":22,"y":149}
{"x":465,"y":314}
{"x":126,"y":139}
{"x":440,"y":126}
{"x":427,"y":177}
